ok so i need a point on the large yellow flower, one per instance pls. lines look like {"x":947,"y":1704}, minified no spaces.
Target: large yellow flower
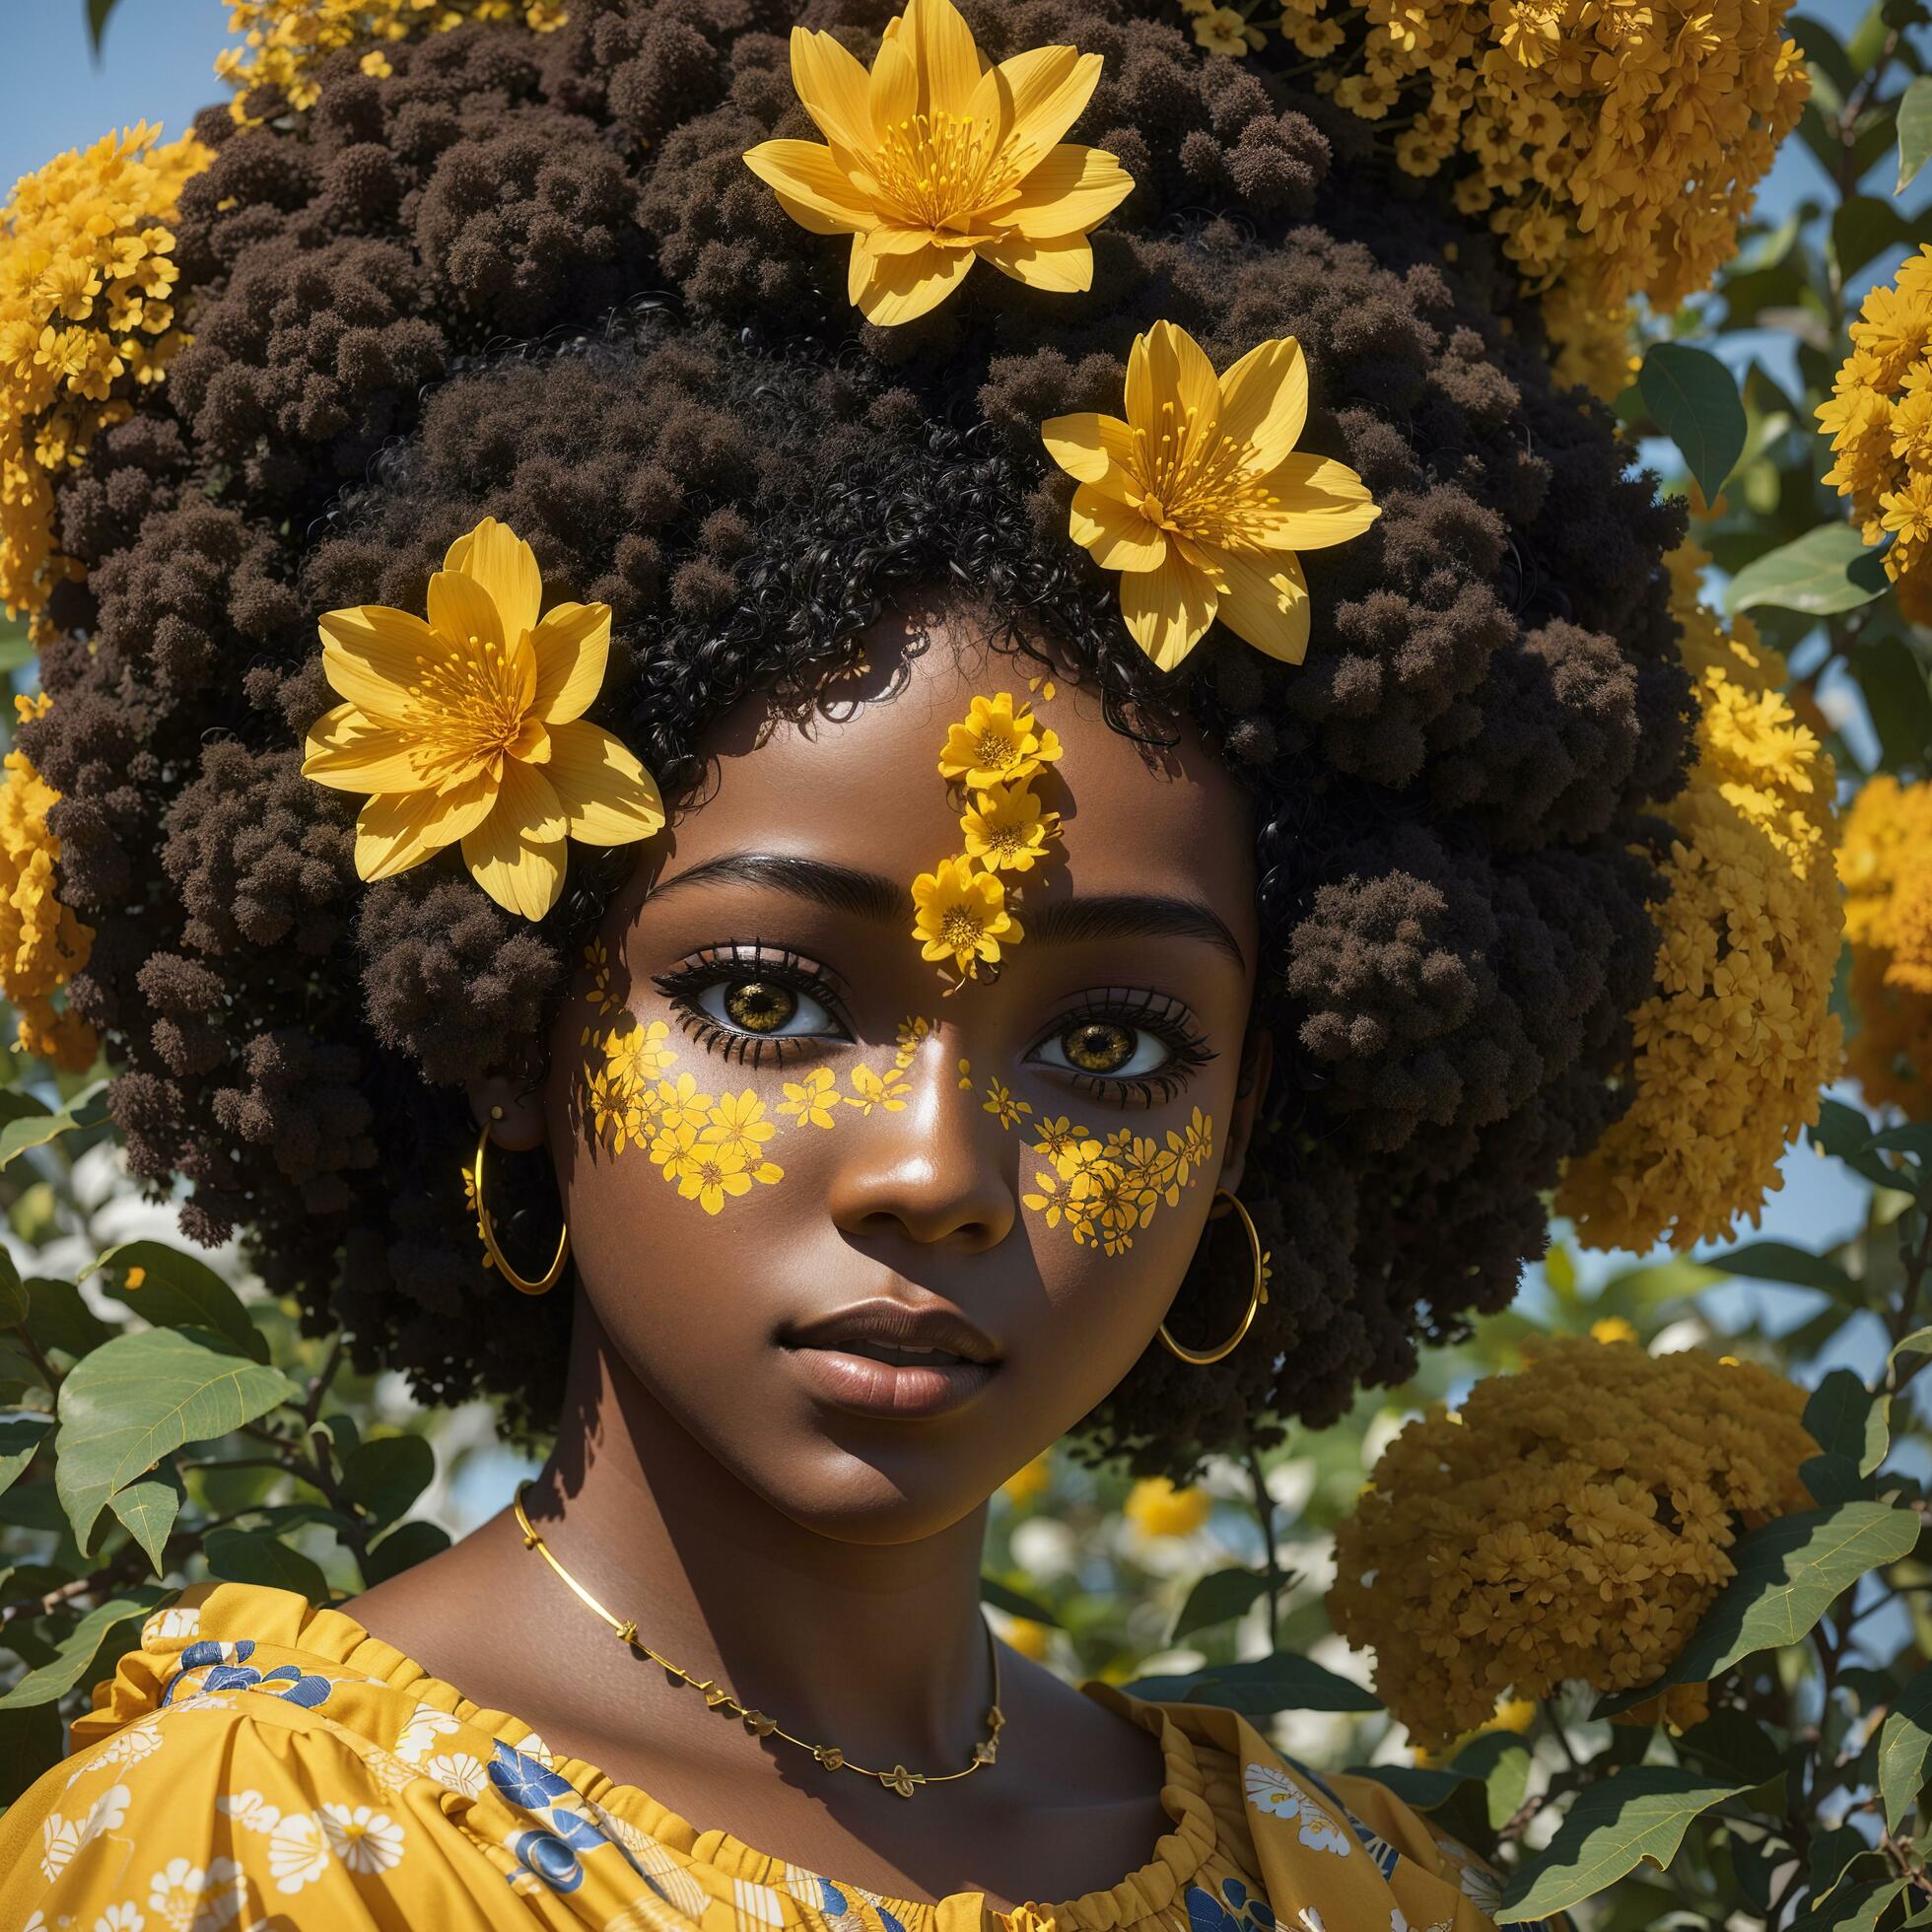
{"x":962,"y":914}
{"x":470,"y":727}
{"x":1200,"y":499}
{"x":933,"y":158}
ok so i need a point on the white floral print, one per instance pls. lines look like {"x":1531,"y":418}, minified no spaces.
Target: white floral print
{"x":127,"y":1917}
{"x":61,"y":1837}
{"x":166,"y":1625}
{"x":459,"y":1771}
{"x":365,"y":1839}
{"x":126,"y":1747}
{"x":1279,"y":1795}
{"x":426,"y":1724}
{"x":249,"y":1808}
{"x":191,"y":1899}
{"x":298,"y":1852}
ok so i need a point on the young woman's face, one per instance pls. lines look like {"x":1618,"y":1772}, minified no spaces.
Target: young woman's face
{"x":765,"y":1108}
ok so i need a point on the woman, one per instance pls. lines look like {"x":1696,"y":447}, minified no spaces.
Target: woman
{"x":797,"y":843}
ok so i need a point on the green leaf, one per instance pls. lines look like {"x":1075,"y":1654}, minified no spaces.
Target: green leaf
{"x":1856,"y":1910}
{"x":1639,"y":1812}
{"x":148,"y":1507}
{"x":1789,"y":1572}
{"x":74,"y":1659}
{"x":1217,"y":1599}
{"x":1694,"y":401}
{"x":1826,"y":571}
{"x":1894,"y":683}
{"x":13,"y":1293}
{"x":138,"y":1396}
{"x":1002,"y":1597}
{"x":97,"y":21}
{"x":406,"y":1545}
{"x":1847,"y":1134}
{"x":1905,"y":1743}
{"x":1777,"y":1261}
{"x":32,"y":1741}
{"x":1730,"y":1744}
{"x":1864,"y":227}
{"x":1835,"y":1415}
{"x":19,"y":1436}
{"x":1834,"y":1478}
{"x":1918,"y":1342}
{"x":1282,"y":1682}
{"x":58,"y":1317}
{"x":177,"y":1291}
{"x":256,"y":1557}
{"x":386,"y":1473}
{"x":33,"y":1123}
{"x":1915,"y":130}
{"x":1422,"y":1788}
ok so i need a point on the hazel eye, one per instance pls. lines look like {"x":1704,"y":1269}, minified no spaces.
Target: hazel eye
{"x":767,"y":1007}
{"x":1107,"y":1047}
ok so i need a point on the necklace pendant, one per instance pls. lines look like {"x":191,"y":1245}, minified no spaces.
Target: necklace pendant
{"x":828,"y":1755}
{"x":996,"y":1717}
{"x":722,"y":1700}
{"x":903,"y":1780}
{"x":758,"y":1724}
{"x":984,"y":1754}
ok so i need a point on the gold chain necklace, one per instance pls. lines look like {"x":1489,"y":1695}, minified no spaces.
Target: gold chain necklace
{"x":898,"y":1778}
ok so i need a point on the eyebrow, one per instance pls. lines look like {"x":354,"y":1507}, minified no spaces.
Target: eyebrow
{"x":873,"y":896}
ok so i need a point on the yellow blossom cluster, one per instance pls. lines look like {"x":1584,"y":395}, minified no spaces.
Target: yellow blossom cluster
{"x":87,"y":318}
{"x":1886,"y":867}
{"x":1614,"y":146}
{"x":1157,"y":1507}
{"x":283,"y":41}
{"x":997,"y":752}
{"x":1878,"y":417}
{"x":1569,"y":1522}
{"x":42,"y":944}
{"x":1736,"y":1041}
{"x":1106,"y":1188}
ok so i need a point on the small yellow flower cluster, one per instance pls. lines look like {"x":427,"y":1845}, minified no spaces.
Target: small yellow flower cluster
{"x":1735,"y":1044}
{"x":997,"y":752}
{"x":1886,"y":867}
{"x":87,"y":316}
{"x":1569,"y":1522}
{"x":1612,"y":146}
{"x":1154,"y":1507}
{"x":1878,"y":417}
{"x":283,"y":41}
{"x":1105,"y":1190}
{"x":42,"y":944}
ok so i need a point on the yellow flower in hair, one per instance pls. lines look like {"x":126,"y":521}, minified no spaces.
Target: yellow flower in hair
{"x":994,"y":743}
{"x":962,"y":914}
{"x":1200,"y":499}
{"x":933,"y":158}
{"x":470,"y":727}
{"x":1007,"y":830}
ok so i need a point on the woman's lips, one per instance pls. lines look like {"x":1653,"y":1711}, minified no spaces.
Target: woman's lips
{"x":875,"y":1388}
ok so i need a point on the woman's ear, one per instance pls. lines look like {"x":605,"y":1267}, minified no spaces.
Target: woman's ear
{"x":511,"y":1108}
{"x":1250,"y":1090}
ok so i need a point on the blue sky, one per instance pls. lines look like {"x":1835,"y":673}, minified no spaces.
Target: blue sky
{"x":157,"y":62}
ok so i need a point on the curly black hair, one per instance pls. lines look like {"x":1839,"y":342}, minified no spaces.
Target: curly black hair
{"x":531,"y":277}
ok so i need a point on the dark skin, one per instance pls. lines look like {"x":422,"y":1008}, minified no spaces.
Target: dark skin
{"x":822,"y":1565}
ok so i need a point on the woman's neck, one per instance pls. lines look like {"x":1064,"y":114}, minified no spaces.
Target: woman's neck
{"x":877,"y":1648}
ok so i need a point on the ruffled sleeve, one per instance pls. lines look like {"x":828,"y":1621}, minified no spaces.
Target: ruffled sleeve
{"x":238,"y":1808}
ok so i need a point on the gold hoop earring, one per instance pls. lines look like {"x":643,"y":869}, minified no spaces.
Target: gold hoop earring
{"x":1199,"y":1357}
{"x":474,"y":1185}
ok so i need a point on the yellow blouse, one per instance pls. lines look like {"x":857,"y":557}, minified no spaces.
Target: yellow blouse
{"x":262,"y":1764}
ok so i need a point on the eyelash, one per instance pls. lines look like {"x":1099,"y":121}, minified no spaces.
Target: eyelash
{"x":1130,"y":1007}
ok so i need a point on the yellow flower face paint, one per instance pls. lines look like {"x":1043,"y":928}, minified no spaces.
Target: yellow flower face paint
{"x":1104,"y":1189}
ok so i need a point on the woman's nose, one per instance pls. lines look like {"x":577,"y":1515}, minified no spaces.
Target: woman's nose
{"x":940,"y":1168}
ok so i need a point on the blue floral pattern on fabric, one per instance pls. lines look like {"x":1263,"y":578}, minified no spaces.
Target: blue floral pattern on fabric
{"x":228,"y":1669}
{"x":1228,"y":1907}
{"x":1385,"y":1855}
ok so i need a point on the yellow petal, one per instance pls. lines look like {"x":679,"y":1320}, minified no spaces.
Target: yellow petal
{"x":371,"y":655}
{"x":1167,"y":611}
{"x":901,"y":288}
{"x":944,"y":54}
{"x":810,"y":185}
{"x":572,"y":649}
{"x":1063,"y":265}
{"x":461,"y":611}
{"x":1265,"y":401}
{"x":1268,"y":608}
{"x":521,"y":876}
{"x":1038,"y":95}
{"x":1167,"y":366}
{"x":395,"y":830}
{"x":1323,"y":501}
{"x":506,"y":566}
{"x":1118,"y":537}
{"x":1084,"y":445}
{"x":832,"y":85}
{"x":1071,"y":190}
{"x":891,"y":89}
{"x":607,"y":796}
{"x":348,"y":750}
